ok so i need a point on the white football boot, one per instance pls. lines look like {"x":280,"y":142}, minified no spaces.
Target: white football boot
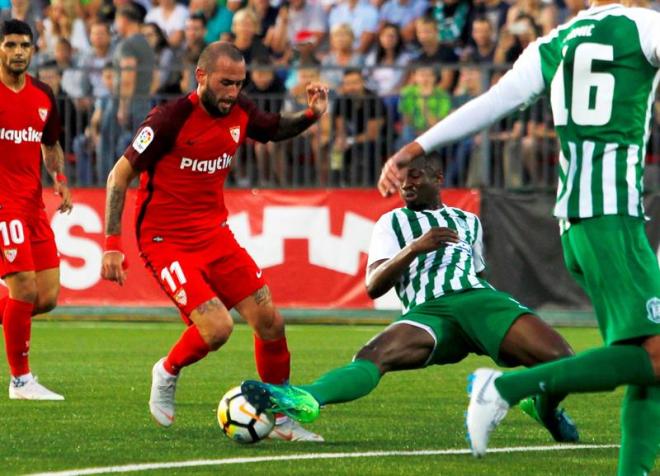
{"x":161,"y":400}
{"x":486,"y":410}
{"x":287,"y":429}
{"x":28,"y":388}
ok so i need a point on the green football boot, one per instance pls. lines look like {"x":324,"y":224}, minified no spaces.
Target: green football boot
{"x":292,"y":401}
{"x":559,"y":424}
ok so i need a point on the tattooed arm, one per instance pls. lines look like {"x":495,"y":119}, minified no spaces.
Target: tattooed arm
{"x":119,"y":179}
{"x":54,"y":160}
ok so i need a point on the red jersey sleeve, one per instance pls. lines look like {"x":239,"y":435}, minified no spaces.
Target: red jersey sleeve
{"x":262,"y":126}
{"x":53,"y":126}
{"x":157,"y":133}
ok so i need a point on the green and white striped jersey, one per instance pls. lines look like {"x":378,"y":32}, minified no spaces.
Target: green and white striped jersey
{"x":602,"y":72}
{"x":452,"y":268}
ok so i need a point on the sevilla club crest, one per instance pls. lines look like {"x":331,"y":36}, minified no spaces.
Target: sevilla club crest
{"x":235,"y":133}
{"x":181,"y":297}
{"x":10,"y":254}
{"x":43,"y":113}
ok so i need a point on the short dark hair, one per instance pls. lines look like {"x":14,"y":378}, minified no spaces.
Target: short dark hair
{"x":216,"y":50}
{"x":198,"y":16}
{"x":262,"y":62}
{"x":15,"y":27}
{"x":349,"y":71}
{"x":130,"y":12}
{"x":431,"y":162}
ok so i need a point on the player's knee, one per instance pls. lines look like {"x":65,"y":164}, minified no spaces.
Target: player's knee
{"x":373,"y":354}
{"x":23,"y":287}
{"x":217,"y":334}
{"x":45,"y":302}
{"x":269,"y":325}
{"x":652,"y":346}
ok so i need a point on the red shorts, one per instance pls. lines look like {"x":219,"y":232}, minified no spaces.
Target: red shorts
{"x":190,"y":276}
{"x":26,"y":243}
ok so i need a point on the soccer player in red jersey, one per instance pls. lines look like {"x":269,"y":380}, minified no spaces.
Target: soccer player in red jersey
{"x":182,"y":153}
{"x":29,"y":263}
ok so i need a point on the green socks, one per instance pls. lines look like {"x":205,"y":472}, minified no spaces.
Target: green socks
{"x":595,"y":370}
{"x":344,"y":384}
{"x":640,"y":430}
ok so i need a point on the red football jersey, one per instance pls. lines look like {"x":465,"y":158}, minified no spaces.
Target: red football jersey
{"x":28,"y":118}
{"x":184,"y":156}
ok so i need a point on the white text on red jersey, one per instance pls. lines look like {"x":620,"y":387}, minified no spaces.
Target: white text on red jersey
{"x":209,"y":166}
{"x":21,"y":135}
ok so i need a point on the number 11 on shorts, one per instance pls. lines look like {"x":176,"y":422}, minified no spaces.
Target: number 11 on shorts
{"x":169,"y":273}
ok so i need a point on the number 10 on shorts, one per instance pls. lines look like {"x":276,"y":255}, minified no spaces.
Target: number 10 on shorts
{"x":171,"y":274}
{"x":12,"y":232}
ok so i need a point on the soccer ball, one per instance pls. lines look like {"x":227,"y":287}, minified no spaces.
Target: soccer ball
{"x":240,"y":421}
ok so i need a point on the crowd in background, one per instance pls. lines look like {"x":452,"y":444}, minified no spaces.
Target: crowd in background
{"x":395,"y":67}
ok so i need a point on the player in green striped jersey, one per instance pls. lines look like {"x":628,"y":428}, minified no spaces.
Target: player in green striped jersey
{"x":601,"y":72}
{"x":432,"y":255}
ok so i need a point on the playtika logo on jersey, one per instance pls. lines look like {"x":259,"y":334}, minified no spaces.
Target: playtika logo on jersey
{"x":206,"y":166}
{"x":18,"y":136}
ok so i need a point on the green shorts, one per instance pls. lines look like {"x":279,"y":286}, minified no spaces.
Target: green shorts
{"x":470,"y":321}
{"x":611,"y":258}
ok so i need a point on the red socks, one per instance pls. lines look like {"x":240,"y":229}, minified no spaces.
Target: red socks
{"x":273,"y":360}
{"x":17,"y":321}
{"x":189,"y":349}
{"x":3,"y":304}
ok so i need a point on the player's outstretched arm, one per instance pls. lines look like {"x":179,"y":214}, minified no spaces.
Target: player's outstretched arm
{"x":113,"y":265}
{"x":382,"y":274}
{"x":54,"y":160}
{"x":292,"y":124}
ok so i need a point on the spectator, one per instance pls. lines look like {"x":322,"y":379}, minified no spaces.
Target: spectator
{"x":27,"y":11}
{"x":452,"y":20}
{"x":543,"y":14}
{"x":531,"y":162}
{"x":483,"y":45}
{"x":304,"y":52}
{"x":218,"y":18}
{"x":266,"y":16}
{"x":170,"y":17}
{"x":50,"y":74}
{"x":91,"y":62}
{"x":403,"y":14}
{"x":342,"y":55}
{"x":423,"y":103}
{"x":267,"y":91}
{"x":194,"y":33}
{"x":62,"y":21}
{"x":515,"y":38}
{"x":388,"y":62}
{"x":167,"y":73}
{"x":98,"y":146}
{"x":573,"y":7}
{"x":70,"y":81}
{"x":434,"y":52}
{"x":495,"y":11}
{"x":296,"y":17}
{"x":470,"y":85}
{"x":244,"y":27}
{"x":308,"y":150}
{"x":359,"y":118}
{"x":362,"y":17}
{"x":134,"y":61}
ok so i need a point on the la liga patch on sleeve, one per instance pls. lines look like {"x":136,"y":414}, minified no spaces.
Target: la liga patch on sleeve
{"x":143,"y":139}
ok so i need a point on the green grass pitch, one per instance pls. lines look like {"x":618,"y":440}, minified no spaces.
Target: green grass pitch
{"x":103,"y":369}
